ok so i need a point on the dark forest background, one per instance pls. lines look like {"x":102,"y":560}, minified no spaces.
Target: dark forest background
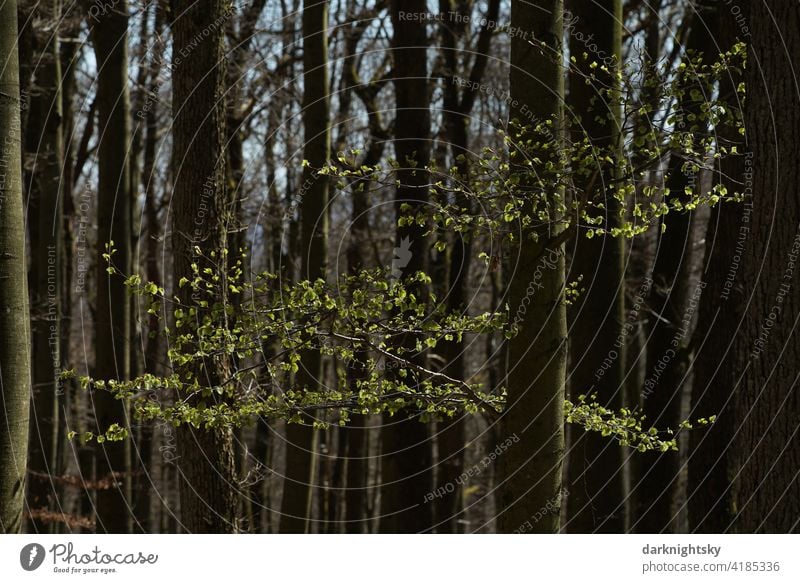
{"x":619,"y":178}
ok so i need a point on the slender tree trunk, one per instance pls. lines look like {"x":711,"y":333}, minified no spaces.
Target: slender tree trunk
{"x":147,"y":115}
{"x":201,"y":214}
{"x":26,"y":48}
{"x":142,"y":432}
{"x":45,"y":146}
{"x":673,"y":302}
{"x":719,"y":317}
{"x":355,"y":435}
{"x":112,"y":336}
{"x":67,"y":55}
{"x":301,"y":439}
{"x":766,"y":446}
{"x":240,"y":42}
{"x":457,"y":113}
{"x":714,"y":366}
{"x":597,"y":344}
{"x":75,"y":243}
{"x":15,"y":364}
{"x":529,"y":484}
{"x":260,"y":491}
{"x":406,"y":457}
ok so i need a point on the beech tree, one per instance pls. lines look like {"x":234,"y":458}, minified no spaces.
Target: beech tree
{"x":710,"y":467}
{"x":15,"y":363}
{"x":458,"y":108}
{"x":406,"y":462}
{"x":765,"y":445}
{"x":113,"y":319}
{"x":530,"y":471}
{"x":596,"y":476}
{"x":378,"y":296}
{"x":673,"y":302}
{"x":301,"y":440}
{"x":200,"y":209}
{"x":44,"y":148}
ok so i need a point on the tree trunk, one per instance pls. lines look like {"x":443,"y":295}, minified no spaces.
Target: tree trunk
{"x":152,"y":360}
{"x":68,"y":449}
{"x":354,"y":437}
{"x":458,"y":106}
{"x":595,"y":469}
{"x":301,"y":439}
{"x":672,"y":303}
{"x":529,"y":484}
{"x":15,"y":364}
{"x":201,"y":213}
{"x":45,"y":146}
{"x":112,"y":335}
{"x":767,"y":398}
{"x":719,"y":316}
{"x":406,"y":457}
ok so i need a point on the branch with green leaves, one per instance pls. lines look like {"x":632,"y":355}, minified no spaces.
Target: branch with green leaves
{"x":276,"y":322}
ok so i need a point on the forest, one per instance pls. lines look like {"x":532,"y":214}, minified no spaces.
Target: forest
{"x":399,"y":266}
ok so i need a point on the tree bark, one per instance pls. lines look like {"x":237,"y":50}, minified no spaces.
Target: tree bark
{"x":353,"y":438}
{"x":301,"y":440}
{"x":75,"y":153}
{"x":458,"y":106}
{"x":15,"y":364}
{"x":597,"y":487}
{"x":529,"y":483}
{"x":672,"y":303}
{"x":201,"y":209}
{"x":719,"y":318}
{"x":766,"y":445}
{"x":406,"y":456}
{"x":112,"y":335}
{"x":45,"y":146}
{"x":152,"y":361}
